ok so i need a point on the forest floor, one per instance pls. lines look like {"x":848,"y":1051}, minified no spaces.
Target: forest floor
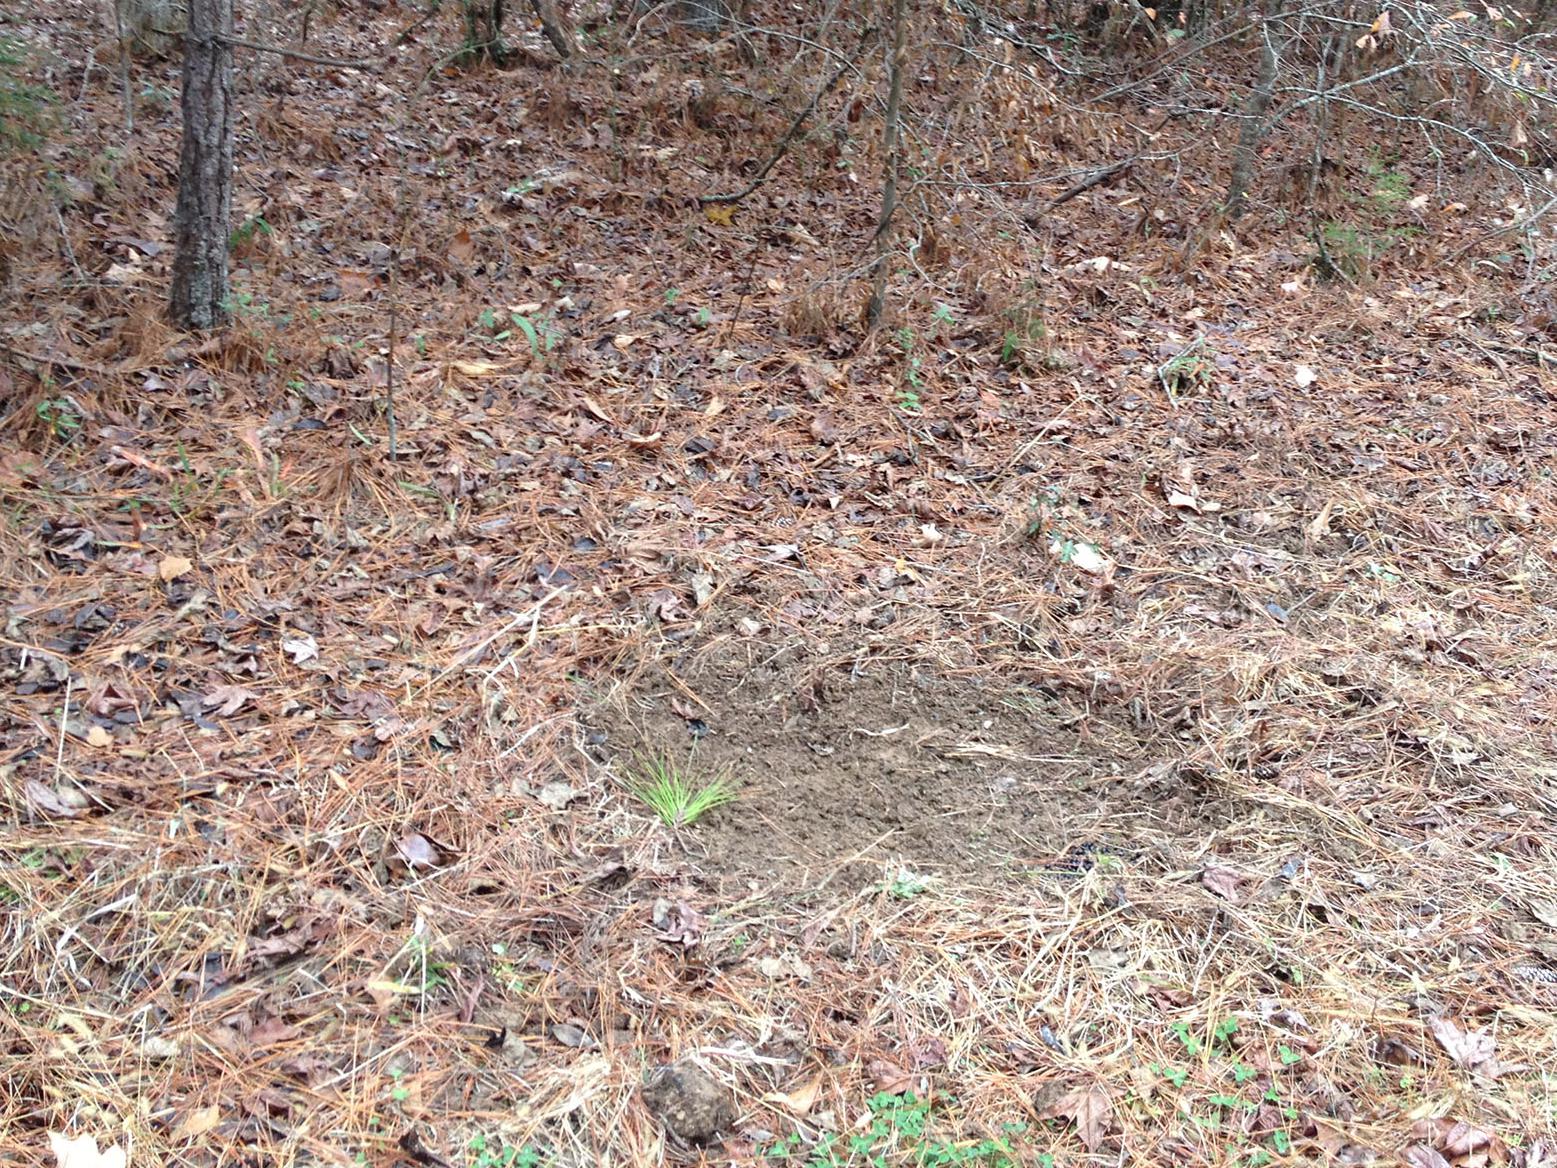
{"x":1135,"y":662}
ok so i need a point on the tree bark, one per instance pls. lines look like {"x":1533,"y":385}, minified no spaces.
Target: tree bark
{"x":890,"y":137}
{"x":554,"y":27}
{"x":203,"y":221}
{"x":1254,"y":127}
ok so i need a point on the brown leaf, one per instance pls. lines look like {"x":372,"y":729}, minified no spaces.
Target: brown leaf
{"x":889,"y":1077}
{"x":227,"y":700}
{"x":1421,"y":1156}
{"x":1225,"y":882}
{"x":172,"y":567}
{"x":416,"y":850}
{"x":1089,"y":1108}
{"x":1473,"y":1051}
{"x":196,"y":1123}
{"x":800,"y":1100}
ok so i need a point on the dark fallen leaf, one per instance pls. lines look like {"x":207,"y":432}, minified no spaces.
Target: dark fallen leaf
{"x":569,"y":1035}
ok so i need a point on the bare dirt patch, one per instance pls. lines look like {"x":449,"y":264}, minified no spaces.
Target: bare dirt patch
{"x":848,"y":762}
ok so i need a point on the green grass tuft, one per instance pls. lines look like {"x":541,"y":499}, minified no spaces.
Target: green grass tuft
{"x":675,"y":797}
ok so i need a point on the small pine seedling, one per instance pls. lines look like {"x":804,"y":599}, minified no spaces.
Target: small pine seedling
{"x":674,"y":797}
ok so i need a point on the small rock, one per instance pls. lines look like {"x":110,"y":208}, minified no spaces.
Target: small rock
{"x":691,"y":1103}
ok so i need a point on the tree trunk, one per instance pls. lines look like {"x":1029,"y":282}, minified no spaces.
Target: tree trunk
{"x":890,"y":137}
{"x":204,"y":217}
{"x":554,"y":26}
{"x":1254,"y":127}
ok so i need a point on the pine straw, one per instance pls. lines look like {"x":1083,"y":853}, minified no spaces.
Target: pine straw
{"x":343,"y":919}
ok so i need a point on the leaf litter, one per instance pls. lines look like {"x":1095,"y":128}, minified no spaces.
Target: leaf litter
{"x":302,"y":752}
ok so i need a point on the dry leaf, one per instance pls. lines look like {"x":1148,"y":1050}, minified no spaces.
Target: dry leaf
{"x":302,"y":649}
{"x":227,"y":700}
{"x":1421,"y":1156}
{"x":889,"y":1077}
{"x":800,"y":1100}
{"x":196,"y":1123}
{"x":1089,"y":1108}
{"x":417,"y":850}
{"x":82,"y":1153}
{"x":1225,"y":882}
{"x":1473,"y":1050}
{"x":172,"y":567}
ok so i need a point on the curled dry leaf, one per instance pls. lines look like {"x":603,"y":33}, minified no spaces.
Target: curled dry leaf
{"x":416,"y":850}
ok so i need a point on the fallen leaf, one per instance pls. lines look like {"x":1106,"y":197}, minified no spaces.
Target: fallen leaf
{"x":1225,"y":882}
{"x":172,"y":567}
{"x":1089,"y":1108}
{"x":889,"y":1077}
{"x":416,"y":850}
{"x":1421,"y":1156}
{"x":800,"y":1100}
{"x":227,"y":700}
{"x":196,"y":1123}
{"x":1471,"y":1050}
{"x":82,"y":1153}
{"x":302,"y":649}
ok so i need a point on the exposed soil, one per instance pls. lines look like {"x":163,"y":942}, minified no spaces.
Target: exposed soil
{"x":849,"y":764}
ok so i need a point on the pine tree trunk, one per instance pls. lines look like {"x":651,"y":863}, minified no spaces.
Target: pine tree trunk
{"x":204,"y":217}
{"x":890,"y":135}
{"x":1253,"y":128}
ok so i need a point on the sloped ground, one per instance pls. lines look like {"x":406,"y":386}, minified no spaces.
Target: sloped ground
{"x":320,"y":846}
